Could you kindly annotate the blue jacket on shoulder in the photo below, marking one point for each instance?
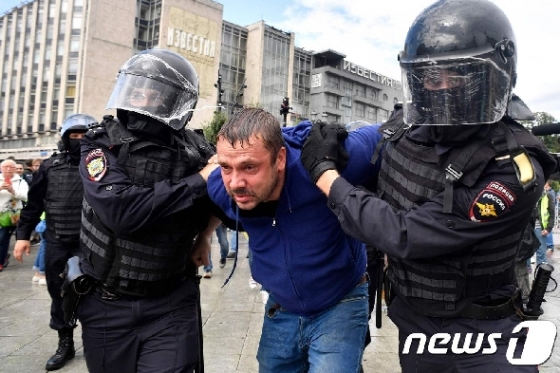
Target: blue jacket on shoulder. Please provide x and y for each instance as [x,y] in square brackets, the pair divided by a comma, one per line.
[305,260]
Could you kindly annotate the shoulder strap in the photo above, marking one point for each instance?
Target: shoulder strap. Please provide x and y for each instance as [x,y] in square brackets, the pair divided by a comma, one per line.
[119,136]
[458,162]
[392,130]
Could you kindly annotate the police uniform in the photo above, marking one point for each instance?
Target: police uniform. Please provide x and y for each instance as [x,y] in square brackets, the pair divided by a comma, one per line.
[57,190]
[458,182]
[452,272]
[144,204]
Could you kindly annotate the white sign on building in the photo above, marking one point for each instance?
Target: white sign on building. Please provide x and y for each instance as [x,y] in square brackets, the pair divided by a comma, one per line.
[316,80]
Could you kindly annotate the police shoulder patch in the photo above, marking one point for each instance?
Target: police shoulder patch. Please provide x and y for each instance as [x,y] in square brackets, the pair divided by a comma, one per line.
[492,202]
[96,164]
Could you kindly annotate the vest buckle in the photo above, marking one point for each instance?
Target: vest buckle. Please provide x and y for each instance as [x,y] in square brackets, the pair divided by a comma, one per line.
[452,174]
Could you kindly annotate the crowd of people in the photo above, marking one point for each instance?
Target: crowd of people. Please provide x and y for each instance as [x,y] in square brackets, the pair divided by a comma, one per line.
[437,198]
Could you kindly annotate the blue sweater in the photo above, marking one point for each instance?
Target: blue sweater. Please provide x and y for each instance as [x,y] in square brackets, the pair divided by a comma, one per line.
[304,260]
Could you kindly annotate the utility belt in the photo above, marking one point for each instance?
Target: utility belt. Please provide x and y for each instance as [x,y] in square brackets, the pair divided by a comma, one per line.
[157,289]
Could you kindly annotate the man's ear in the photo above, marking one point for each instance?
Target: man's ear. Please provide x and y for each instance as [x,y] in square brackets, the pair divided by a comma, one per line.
[281,159]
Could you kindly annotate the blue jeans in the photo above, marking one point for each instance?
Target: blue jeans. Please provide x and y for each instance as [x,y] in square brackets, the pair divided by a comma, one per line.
[331,341]
[550,240]
[40,258]
[221,232]
[541,251]
[233,239]
[5,235]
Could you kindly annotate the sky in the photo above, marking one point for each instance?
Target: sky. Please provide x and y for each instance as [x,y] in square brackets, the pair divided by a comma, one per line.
[371,33]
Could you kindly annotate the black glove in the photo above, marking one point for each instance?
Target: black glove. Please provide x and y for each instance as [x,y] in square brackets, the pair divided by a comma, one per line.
[322,150]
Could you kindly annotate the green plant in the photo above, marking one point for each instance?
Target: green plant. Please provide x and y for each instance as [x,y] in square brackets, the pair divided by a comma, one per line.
[211,129]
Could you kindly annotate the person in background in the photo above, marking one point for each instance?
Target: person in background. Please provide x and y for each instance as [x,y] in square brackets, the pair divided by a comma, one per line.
[545,223]
[57,191]
[39,265]
[13,192]
[19,169]
[28,171]
[550,236]
[221,233]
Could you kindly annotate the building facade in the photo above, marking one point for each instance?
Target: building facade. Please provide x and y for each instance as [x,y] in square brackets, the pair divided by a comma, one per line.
[60,57]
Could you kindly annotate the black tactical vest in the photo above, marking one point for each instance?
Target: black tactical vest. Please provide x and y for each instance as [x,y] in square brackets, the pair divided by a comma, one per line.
[63,200]
[152,260]
[411,174]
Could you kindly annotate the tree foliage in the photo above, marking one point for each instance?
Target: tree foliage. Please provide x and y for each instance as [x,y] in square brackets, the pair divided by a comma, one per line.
[551,141]
[211,129]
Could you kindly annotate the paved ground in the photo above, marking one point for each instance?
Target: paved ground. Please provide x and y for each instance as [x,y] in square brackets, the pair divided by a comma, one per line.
[232,324]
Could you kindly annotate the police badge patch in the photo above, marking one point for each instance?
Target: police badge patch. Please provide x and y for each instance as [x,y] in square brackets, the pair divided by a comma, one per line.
[494,200]
[96,164]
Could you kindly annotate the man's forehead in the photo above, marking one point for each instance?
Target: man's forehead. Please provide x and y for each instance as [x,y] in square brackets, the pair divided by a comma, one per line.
[254,147]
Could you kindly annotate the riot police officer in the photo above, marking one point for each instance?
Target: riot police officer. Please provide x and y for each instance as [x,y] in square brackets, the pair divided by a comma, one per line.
[57,189]
[145,203]
[458,181]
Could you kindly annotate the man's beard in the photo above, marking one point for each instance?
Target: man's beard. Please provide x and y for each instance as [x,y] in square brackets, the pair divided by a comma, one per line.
[257,198]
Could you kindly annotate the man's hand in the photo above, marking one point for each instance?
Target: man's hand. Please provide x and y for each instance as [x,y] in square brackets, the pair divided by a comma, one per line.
[322,150]
[211,166]
[21,247]
[201,251]
[8,187]
[201,247]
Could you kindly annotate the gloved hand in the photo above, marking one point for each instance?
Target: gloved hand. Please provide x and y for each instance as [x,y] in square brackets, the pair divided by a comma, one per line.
[322,150]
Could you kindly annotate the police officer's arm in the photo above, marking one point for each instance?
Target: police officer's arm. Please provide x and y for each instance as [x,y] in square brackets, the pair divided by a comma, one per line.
[31,214]
[425,231]
[123,206]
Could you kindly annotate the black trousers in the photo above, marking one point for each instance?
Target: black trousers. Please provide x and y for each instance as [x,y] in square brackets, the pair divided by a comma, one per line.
[144,335]
[56,256]
[408,321]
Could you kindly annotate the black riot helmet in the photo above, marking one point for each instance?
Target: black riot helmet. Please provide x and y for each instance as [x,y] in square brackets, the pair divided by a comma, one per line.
[158,83]
[75,123]
[458,64]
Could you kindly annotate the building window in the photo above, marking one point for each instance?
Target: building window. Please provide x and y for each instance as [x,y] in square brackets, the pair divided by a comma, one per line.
[72,66]
[332,81]
[347,86]
[68,110]
[382,115]
[372,93]
[371,113]
[75,43]
[332,101]
[77,22]
[70,91]
[360,110]
[360,90]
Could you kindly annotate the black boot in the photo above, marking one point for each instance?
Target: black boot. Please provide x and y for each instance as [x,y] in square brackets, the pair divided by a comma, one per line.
[65,350]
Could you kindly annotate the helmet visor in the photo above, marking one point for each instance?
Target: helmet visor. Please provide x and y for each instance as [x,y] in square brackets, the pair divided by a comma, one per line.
[152,87]
[465,91]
